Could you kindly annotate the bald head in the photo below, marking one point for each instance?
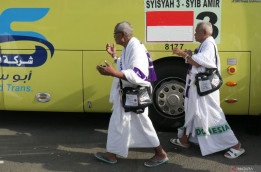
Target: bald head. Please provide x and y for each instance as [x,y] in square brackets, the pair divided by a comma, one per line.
[125,27]
[206,26]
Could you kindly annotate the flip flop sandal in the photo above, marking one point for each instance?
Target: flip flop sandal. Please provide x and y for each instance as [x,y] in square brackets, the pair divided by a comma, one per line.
[178,143]
[233,153]
[104,158]
[158,163]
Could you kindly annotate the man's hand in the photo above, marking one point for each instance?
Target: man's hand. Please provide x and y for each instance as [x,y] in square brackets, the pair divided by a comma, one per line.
[189,52]
[111,49]
[106,70]
[177,51]
[182,53]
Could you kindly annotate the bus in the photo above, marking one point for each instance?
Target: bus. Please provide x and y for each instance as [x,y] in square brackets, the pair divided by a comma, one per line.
[49,51]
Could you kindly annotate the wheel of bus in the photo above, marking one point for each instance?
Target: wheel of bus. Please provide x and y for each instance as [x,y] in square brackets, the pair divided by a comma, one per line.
[167,111]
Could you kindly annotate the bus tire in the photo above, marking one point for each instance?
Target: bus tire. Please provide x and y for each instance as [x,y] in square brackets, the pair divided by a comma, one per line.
[167,110]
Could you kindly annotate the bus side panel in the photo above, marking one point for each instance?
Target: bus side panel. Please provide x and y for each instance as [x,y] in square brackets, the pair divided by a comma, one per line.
[241,32]
[96,86]
[240,92]
[60,76]
[1,91]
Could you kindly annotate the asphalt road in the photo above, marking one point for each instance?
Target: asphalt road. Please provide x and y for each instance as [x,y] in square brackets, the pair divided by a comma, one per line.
[59,142]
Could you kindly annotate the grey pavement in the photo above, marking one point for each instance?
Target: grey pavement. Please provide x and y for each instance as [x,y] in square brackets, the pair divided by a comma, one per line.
[66,142]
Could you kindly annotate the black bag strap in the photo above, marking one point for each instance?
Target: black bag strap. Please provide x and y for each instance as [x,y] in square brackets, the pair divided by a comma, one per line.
[215,54]
[120,83]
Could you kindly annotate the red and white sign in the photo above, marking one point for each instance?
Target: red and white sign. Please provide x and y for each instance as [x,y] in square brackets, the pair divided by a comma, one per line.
[170,26]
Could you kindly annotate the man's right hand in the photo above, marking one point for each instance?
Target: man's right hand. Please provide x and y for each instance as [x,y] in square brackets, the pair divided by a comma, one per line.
[106,70]
[180,52]
[188,51]
[111,49]
[177,51]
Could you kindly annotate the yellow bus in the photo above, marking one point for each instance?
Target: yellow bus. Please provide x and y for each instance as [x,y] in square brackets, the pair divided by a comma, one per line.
[49,51]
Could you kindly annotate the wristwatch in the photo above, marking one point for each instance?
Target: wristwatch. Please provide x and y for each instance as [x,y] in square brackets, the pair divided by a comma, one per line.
[186,58]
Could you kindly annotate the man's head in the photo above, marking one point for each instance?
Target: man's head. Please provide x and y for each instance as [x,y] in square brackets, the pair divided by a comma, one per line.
[123,32]
[203,31]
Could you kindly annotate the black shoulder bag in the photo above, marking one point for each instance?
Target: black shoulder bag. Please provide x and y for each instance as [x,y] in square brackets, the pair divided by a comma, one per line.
[209,81]
[135,99]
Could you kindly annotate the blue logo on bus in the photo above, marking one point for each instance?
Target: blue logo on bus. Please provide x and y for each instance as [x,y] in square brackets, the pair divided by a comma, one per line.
[11,15]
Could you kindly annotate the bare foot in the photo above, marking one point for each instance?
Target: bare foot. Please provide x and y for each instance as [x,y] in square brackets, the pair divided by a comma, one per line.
[237,146]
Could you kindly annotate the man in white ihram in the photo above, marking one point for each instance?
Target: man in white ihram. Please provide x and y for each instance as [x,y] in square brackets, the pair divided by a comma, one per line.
[205,121]
[128,129]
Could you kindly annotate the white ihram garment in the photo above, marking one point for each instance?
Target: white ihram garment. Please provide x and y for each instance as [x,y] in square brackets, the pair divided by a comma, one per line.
[128,129]
[204,118]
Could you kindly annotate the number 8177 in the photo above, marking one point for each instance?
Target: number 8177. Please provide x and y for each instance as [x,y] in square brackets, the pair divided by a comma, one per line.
[171,46]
